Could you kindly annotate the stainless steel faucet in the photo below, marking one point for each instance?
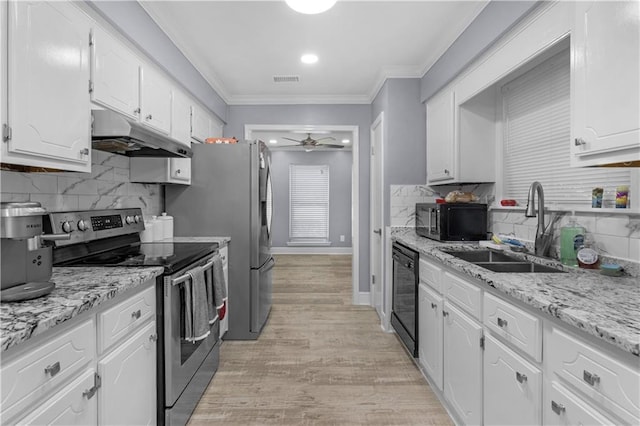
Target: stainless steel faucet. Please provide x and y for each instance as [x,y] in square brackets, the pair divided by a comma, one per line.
[543,239]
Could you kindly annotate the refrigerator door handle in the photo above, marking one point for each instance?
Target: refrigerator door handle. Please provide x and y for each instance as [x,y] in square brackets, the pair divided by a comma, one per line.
[269,264]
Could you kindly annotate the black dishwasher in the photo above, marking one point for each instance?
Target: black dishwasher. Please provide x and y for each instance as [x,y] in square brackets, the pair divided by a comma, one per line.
[404,315]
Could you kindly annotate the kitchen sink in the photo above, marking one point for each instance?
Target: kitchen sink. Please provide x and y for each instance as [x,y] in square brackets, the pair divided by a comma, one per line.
[501,262]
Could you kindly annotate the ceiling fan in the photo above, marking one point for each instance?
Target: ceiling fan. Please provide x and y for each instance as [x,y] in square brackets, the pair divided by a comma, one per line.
[309,142]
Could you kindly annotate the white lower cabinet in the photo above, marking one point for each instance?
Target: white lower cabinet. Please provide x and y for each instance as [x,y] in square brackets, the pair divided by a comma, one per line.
[512,387]
[563,407]
[128,374]
[430,333]
[71,406]
[463,364]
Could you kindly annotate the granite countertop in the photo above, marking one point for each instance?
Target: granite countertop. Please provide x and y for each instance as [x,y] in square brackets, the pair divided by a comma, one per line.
[605,307]
[78,289]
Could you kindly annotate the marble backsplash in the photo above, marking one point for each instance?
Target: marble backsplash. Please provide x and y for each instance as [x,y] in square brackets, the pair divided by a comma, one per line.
[615,236]
[106,187]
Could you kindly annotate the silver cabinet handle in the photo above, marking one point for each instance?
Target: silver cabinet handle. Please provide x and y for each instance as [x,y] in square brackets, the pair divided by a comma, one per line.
[52,369]
[433,305]
[445,313]
[502,322]
[590,378]
[446,171]
[84,151]
[149,117]
[579,141]
[178,171]
[136,111]
[153,337]
[521,378]
[136,314]
[377,231]
[557,408]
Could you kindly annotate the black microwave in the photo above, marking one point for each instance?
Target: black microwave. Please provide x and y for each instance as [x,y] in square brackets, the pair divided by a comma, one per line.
[452,221]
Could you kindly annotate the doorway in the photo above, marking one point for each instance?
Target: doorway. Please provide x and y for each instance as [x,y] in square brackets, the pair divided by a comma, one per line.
[377,211]
[249,133]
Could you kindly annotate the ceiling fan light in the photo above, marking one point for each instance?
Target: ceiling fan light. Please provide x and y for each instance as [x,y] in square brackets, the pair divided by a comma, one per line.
[309,58]
[310,7]
[273,141]
[345,141]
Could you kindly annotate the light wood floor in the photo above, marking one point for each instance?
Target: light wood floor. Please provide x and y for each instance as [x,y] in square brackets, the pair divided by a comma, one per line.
[319,360]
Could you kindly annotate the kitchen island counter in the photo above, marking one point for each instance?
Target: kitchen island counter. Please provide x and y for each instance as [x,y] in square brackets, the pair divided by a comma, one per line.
[602,306]
[78,290]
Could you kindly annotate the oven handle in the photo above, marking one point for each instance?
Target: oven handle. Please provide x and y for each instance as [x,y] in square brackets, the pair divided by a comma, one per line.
[185,277]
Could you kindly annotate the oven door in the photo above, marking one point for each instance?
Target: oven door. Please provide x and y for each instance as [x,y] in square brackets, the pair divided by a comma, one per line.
[182,358]
[405,296]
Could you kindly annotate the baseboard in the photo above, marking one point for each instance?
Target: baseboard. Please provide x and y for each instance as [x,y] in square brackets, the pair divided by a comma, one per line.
[364,298]
[311,250]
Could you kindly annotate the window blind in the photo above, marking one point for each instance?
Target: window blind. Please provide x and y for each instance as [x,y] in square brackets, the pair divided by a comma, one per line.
[309,202]
[536,117]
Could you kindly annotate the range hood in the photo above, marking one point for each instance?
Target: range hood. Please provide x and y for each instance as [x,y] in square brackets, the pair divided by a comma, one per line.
[113,132]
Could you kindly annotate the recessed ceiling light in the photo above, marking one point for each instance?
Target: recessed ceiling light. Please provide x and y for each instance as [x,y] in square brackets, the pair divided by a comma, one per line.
[309,58]
[345,141]
[311,7]
[273,141]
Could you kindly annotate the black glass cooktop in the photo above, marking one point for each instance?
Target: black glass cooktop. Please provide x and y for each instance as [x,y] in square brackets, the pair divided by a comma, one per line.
[171,256]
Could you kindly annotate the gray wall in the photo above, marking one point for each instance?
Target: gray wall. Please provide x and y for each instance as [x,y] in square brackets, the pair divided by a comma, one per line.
[352,115]
[494,20]
[339,192]
[404,135]
[135,24]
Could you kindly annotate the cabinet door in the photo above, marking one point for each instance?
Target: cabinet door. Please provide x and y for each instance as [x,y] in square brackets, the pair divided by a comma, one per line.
[512,387]
[606,111]
[462,364]
[128,392]
[181,117]
[563,407]
[70,406]
[440,138]
[199,124]
[115,75]
[180,170]
[48,78]
[430,333]
[155,100]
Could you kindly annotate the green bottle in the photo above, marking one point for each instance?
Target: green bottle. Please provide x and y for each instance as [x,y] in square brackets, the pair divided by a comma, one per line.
[571,240]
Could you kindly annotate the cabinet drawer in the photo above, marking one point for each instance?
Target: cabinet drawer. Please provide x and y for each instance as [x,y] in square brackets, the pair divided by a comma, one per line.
[564,408]
[38,373]
[69,406]
[465,295]
[430,274]
[120,320]
[599,376]
[516,326]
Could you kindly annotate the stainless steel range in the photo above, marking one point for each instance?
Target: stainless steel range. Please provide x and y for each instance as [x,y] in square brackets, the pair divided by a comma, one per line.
[111,238]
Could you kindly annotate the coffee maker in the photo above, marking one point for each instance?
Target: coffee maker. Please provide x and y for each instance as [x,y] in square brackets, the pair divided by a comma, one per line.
[26,262]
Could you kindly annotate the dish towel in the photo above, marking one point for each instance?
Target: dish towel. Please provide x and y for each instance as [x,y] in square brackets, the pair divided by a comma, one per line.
[196,311]
[219,286]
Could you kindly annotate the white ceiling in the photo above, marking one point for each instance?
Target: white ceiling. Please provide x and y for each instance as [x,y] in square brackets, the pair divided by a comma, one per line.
[239,46]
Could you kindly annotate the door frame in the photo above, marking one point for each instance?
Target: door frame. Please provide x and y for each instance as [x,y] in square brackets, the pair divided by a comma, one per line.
[376,165]
[357,298]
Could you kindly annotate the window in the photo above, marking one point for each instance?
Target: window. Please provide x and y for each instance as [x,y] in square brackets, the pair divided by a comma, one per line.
[536,117]
[308,204]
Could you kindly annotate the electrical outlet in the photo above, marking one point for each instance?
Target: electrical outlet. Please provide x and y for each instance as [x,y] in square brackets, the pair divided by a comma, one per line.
[342,238]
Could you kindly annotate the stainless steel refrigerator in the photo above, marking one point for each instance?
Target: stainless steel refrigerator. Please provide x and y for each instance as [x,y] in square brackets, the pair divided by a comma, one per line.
[230,195]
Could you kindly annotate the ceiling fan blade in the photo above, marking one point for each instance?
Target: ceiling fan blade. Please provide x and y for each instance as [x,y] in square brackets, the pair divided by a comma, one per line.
[328,137]
[295,140]
[328,145]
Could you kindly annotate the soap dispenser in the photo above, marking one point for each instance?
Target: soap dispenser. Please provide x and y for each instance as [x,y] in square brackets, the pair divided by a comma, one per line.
[571,240]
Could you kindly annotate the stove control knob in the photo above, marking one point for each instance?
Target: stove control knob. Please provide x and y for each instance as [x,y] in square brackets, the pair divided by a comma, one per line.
[129,220]
[66,227]
[82,226]
[136,218]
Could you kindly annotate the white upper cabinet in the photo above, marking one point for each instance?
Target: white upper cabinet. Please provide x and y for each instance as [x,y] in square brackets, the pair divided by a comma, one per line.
[440,138]
[155,100]
[605,70]
[199,124]
[48,110]
[115,75]
[180,117]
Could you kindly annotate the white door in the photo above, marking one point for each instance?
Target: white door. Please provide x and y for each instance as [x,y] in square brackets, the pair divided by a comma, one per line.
[605,107]
[128,392]
[48,86]
[377,211]
[463,364]
[155,100]
[508,377]
[430,341]
[115,75]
